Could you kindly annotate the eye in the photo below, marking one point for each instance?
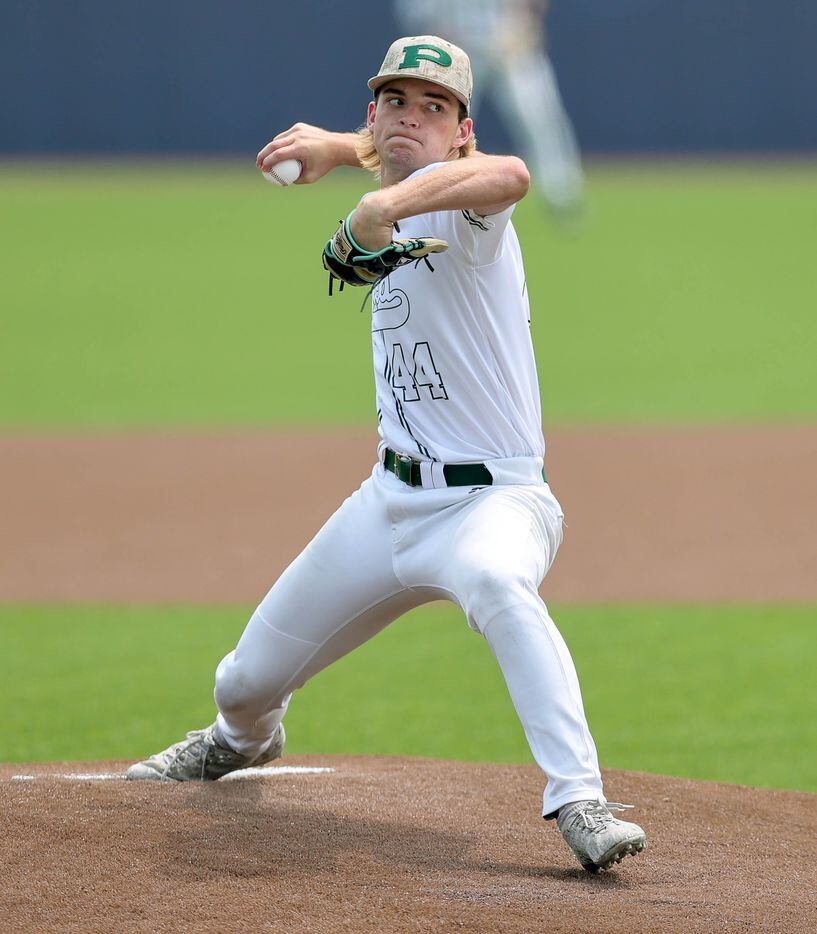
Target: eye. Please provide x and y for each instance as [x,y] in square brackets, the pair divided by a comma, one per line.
[395,100]
[435,107]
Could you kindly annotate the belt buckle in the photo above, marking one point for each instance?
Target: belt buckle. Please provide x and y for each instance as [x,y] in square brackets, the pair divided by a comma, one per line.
[402,467]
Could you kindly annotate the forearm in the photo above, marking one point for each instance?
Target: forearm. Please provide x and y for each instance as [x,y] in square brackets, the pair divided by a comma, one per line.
[486,184]
[343,149]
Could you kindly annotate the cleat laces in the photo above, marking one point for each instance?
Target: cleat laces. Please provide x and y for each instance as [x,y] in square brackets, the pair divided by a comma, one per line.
[596,816]
[193,739]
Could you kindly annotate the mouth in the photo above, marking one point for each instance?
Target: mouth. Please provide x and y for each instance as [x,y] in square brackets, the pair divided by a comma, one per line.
[403,136]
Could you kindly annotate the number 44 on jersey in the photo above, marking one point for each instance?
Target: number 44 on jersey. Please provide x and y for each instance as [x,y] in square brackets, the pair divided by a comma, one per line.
[420,374]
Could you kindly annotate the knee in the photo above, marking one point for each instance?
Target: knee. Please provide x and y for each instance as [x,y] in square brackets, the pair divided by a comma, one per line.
[490,591]
[236,690]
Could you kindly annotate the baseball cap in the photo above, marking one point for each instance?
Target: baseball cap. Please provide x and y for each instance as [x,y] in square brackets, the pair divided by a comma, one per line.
[430,58]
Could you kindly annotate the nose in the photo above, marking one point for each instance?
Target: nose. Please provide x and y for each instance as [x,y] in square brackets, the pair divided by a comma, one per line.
[410,116]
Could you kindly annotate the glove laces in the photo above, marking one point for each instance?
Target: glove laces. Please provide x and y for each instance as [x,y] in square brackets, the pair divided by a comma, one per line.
[401,248]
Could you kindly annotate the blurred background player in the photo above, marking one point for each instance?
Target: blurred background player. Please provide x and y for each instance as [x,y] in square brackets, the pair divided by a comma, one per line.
[507,44]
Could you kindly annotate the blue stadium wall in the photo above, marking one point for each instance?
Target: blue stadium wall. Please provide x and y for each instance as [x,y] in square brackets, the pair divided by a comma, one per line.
[651,76]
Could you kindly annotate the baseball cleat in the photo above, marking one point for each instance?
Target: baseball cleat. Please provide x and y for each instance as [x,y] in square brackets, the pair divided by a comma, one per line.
[202,757]
[598,839]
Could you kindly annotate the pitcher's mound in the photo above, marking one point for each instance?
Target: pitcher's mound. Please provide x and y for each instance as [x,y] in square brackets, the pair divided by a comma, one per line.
[385,844]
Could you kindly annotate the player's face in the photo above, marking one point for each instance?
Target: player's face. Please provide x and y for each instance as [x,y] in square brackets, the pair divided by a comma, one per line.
[415,123]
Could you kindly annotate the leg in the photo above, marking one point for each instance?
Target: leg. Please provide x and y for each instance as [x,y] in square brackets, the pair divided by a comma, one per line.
[542,682]
[338,593]
[501,548]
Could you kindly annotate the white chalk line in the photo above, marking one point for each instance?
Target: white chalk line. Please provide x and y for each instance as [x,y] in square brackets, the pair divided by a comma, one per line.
[68,776]
[271,772]
[276,770]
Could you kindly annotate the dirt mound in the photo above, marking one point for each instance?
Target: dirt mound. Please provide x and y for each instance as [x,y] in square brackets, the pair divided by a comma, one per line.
[386,844]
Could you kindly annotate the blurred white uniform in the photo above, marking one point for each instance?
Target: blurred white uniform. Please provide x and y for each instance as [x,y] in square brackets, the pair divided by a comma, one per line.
[506,44]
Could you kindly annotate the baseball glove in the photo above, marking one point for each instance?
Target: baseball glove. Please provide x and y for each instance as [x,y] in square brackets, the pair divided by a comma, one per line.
[351,264]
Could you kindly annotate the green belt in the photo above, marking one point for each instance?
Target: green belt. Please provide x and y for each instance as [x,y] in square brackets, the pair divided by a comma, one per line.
[408,470]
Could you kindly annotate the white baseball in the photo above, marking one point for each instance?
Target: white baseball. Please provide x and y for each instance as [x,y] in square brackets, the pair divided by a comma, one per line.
[284,173]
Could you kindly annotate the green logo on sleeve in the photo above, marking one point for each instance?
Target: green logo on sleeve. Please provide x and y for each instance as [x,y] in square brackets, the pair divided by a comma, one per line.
[414,54]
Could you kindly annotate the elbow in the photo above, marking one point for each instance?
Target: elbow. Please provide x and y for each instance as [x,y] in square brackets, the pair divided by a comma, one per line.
[518,178]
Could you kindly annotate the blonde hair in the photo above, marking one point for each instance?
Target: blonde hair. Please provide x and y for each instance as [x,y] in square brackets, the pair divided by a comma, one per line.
[368,157]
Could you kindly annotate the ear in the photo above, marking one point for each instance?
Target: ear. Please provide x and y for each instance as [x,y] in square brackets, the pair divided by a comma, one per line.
[464,132]
[370,114]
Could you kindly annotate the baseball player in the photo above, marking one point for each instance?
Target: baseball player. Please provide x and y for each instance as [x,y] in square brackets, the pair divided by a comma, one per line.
[507,45]
[457,506]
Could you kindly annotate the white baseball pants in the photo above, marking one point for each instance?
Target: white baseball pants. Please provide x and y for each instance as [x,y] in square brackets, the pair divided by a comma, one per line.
[391,547]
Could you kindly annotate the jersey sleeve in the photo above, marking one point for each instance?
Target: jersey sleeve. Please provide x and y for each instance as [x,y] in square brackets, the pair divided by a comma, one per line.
[477,239]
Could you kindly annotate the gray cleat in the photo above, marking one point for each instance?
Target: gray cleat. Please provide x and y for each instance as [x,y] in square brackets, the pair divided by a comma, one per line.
[202,757]
[598,839]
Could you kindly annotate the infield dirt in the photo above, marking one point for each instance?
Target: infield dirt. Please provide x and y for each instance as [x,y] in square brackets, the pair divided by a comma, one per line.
[388,844]
[652,514]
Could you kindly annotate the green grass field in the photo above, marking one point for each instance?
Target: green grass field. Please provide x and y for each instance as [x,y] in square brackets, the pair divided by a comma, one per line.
[168,295]
[173,296]
[704,692]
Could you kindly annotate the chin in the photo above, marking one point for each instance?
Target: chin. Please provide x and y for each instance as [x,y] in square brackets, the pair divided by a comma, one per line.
[402,157]
[402,152]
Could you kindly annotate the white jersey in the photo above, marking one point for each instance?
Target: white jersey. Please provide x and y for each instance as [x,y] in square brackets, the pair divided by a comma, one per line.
[454,367]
